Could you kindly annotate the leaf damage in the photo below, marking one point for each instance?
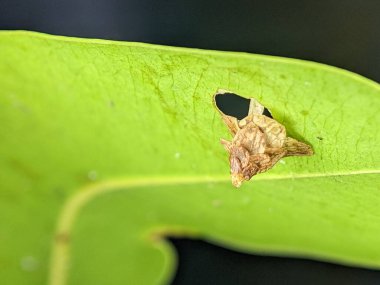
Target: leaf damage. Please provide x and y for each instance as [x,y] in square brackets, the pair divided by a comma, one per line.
[258,143]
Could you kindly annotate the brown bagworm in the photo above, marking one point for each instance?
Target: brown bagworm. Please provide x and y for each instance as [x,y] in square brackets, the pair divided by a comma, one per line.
[258,143]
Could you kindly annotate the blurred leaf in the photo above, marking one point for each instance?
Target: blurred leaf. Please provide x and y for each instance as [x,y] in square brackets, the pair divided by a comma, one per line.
[108,147]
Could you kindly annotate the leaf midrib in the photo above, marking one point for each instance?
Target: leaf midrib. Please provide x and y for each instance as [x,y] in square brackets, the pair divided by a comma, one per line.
[71,209]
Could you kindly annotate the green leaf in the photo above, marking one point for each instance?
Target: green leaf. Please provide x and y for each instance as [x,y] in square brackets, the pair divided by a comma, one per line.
[108,147]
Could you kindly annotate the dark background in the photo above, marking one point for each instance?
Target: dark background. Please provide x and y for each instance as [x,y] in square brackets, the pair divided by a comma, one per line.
[343,33]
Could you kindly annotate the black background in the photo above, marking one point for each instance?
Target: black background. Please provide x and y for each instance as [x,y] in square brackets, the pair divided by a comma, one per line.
[343,33]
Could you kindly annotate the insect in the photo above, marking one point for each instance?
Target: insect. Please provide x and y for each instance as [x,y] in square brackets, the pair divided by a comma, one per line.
[258,143]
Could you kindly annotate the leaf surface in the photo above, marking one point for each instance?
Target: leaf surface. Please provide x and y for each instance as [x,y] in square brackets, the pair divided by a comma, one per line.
[108,147]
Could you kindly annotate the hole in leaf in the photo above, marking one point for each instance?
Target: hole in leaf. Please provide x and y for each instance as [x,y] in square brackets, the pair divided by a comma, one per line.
[234,105]
[267,113]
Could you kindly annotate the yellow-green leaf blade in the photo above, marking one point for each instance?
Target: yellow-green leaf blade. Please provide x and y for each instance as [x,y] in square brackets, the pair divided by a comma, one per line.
[80,112]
